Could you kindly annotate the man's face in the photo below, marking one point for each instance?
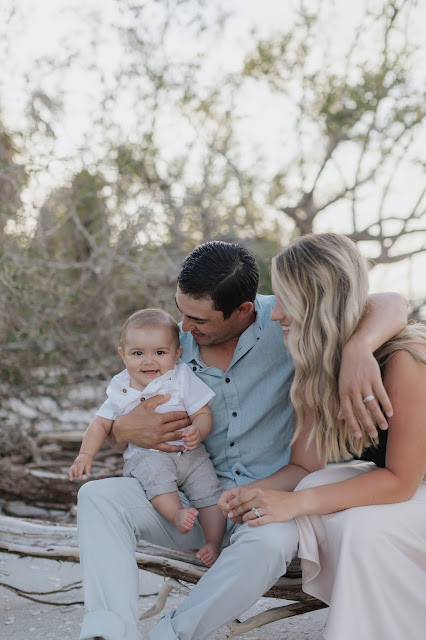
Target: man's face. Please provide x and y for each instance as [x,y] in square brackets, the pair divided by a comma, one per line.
[206,324]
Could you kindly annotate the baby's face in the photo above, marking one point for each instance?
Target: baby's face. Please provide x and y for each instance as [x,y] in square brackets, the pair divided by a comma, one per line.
[148,354]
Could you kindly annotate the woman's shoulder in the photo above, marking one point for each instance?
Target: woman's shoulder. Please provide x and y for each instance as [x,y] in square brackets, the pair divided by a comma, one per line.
[405,366]
[402,356]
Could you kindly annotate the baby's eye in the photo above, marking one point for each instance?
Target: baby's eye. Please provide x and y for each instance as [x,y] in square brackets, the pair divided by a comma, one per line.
[159,352]
[137,353]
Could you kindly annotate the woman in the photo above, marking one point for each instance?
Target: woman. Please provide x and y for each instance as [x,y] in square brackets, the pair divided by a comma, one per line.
[362,525]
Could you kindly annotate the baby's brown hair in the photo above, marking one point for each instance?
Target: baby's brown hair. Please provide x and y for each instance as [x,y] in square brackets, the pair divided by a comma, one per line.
[150,319]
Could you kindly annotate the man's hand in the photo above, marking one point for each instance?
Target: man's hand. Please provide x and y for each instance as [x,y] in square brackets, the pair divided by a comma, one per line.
[359,378]
[225,499]
[150,430]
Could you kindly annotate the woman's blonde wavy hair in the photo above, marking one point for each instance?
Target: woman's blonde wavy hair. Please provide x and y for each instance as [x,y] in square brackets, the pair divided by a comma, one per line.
[322,280]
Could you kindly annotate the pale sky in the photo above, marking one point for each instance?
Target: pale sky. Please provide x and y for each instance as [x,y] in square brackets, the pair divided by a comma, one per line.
[46,25]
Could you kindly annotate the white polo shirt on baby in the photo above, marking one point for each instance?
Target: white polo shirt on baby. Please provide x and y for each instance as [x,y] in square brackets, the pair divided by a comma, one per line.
[188,393]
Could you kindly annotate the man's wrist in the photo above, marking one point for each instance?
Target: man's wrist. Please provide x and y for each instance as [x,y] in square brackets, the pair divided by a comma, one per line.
[360,342]
[114,432]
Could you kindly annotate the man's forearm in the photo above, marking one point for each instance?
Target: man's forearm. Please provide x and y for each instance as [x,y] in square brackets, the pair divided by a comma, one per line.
[386,315]
[113,441]
[116,436]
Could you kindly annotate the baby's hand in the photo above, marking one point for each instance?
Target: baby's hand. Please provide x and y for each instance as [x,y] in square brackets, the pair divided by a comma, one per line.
[82,464]
[191,437]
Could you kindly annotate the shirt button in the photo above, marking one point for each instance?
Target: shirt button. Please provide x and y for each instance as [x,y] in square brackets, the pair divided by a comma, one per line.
[227,380]
[124,390]
[231,444]
[238,473]
[234,413]
[194,368]
[142,399]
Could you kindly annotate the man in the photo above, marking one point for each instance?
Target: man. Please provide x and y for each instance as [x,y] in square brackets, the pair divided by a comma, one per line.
[231,344]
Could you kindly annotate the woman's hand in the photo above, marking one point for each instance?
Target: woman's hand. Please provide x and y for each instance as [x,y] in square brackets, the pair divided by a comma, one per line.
[272,506]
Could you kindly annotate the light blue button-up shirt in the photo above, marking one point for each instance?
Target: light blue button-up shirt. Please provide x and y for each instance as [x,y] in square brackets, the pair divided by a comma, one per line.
[252,412]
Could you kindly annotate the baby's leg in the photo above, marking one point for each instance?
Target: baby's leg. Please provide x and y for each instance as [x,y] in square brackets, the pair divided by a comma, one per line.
[213,525]
[203,489]
[170,506]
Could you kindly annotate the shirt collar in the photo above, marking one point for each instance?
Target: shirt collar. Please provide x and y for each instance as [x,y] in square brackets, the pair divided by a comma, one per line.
[191,351]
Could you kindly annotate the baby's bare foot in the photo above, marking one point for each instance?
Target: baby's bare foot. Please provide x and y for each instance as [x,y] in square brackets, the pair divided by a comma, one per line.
[209,553]
[184,519]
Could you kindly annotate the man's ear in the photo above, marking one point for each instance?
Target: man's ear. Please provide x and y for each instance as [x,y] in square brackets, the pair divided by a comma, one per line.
[245,309]
[178,353]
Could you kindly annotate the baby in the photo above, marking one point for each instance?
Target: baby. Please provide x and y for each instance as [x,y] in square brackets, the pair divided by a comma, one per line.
[149,346]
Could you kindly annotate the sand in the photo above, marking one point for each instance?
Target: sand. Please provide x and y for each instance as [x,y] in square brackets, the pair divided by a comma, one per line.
[21,619]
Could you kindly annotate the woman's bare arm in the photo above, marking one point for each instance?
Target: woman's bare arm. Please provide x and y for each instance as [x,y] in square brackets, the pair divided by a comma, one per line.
[405,381]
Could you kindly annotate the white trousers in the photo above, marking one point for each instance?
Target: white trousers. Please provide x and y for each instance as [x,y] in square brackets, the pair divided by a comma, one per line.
[113,514]
[368,563]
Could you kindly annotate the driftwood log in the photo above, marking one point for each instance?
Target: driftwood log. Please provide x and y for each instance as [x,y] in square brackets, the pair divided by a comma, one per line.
[43,482]
[59,542]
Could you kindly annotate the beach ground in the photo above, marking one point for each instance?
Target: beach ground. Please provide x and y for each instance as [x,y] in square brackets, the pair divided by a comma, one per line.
[22,619]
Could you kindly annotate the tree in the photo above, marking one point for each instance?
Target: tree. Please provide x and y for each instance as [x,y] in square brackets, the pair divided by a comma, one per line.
[166,163]
[13,178]
[355,125]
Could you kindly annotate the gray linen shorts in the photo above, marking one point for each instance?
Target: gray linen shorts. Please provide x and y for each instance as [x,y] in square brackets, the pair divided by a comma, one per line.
[162,472]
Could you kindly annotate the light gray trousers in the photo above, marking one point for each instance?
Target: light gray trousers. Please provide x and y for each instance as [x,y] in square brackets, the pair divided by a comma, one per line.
[113,514]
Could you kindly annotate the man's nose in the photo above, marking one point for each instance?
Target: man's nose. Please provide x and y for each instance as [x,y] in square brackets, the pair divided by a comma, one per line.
[187,324]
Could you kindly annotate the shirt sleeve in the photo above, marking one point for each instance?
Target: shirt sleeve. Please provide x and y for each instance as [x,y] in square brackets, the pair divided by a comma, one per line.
[108,410]
[196,393]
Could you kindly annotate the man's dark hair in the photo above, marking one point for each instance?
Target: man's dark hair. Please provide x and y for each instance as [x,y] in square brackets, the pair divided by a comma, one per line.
[227,273]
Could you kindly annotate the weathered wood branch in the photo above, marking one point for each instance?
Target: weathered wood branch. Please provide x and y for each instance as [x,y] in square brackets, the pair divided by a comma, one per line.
[60,542]
[40,596]
[44,487]
[39,486]
[236,628]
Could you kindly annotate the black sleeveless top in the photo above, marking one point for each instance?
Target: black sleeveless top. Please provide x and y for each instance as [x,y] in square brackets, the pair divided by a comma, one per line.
[376,453]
